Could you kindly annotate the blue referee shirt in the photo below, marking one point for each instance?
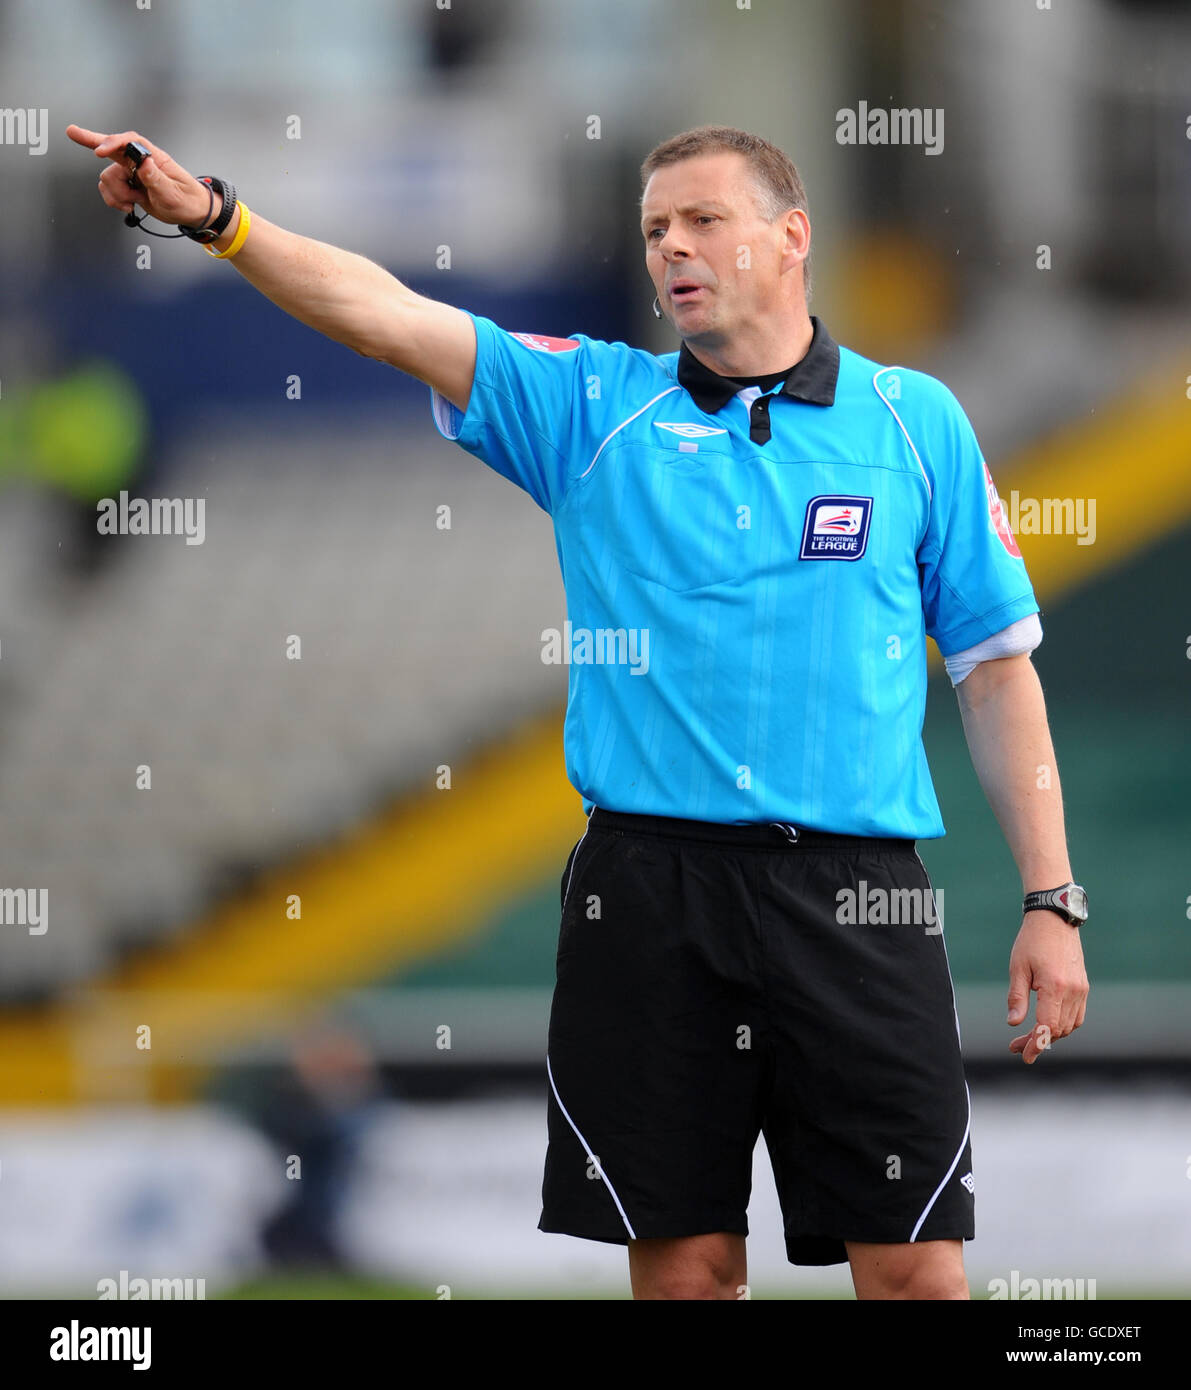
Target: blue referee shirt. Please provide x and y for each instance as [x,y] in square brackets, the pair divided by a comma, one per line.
[750,582]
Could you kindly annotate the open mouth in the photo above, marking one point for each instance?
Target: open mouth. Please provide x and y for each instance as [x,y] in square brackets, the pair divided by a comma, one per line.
[683,289]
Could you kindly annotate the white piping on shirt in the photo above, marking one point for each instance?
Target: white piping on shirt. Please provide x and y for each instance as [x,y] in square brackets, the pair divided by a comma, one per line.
[902,427]
[629,421]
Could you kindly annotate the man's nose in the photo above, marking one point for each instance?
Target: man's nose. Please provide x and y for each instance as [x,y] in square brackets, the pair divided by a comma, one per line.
[673,249]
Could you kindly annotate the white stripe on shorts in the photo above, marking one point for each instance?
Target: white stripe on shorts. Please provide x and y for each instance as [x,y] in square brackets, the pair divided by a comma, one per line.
[587,1150]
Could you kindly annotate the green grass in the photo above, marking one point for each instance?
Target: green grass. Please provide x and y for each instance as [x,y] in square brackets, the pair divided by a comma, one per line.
[330,1286]
[296,1288]
[324,1286]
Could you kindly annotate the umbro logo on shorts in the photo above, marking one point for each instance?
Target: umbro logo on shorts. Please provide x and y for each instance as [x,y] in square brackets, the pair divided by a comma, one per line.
[836,528]
[688,429]
[969,1182]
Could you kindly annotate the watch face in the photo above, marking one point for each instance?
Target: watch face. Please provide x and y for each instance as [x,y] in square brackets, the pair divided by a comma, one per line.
[1075,900]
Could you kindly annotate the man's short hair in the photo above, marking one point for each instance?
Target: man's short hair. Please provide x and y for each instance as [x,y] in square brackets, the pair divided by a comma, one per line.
[779,186]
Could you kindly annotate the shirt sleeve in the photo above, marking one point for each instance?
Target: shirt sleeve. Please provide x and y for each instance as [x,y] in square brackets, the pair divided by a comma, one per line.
[1016,640]
[525,415]
[973,578]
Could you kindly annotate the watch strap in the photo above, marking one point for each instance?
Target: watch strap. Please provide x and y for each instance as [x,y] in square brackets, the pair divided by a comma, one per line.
[1056,900]
[227,192]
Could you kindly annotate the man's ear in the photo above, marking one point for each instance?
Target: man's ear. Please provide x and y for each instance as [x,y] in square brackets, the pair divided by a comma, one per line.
[798,234]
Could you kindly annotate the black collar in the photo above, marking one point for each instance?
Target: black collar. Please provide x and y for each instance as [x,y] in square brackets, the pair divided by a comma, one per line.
[812,380]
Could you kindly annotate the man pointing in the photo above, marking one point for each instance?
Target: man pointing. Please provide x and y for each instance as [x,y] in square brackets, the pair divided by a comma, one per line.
[787,522]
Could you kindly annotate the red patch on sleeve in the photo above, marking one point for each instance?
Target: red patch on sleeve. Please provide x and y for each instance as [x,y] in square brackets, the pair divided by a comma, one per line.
[541,343]
[997,518]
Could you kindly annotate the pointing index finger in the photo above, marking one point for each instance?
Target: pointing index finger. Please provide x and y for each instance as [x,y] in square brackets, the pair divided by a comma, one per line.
[112,146]
[81,136]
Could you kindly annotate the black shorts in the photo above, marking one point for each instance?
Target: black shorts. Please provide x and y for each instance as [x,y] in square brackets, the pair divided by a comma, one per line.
[715,982]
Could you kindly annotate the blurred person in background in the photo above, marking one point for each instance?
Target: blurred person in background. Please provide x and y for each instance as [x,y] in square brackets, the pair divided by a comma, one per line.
[315,1110]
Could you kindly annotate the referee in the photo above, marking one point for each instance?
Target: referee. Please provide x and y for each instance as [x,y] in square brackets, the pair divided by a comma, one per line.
[749,942]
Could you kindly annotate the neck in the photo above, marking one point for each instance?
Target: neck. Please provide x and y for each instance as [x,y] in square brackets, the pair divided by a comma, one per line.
[756,350]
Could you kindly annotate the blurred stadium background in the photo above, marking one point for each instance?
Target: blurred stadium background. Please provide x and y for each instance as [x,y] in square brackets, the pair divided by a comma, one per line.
[319,780]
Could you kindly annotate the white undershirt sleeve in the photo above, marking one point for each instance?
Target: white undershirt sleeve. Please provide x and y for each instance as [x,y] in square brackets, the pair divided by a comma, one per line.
[1021,636]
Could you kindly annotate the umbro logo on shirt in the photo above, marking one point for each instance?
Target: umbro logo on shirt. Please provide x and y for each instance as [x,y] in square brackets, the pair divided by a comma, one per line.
[688,429]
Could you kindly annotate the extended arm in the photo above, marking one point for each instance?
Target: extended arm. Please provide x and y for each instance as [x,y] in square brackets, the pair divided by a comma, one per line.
[340,294]
[1004,719]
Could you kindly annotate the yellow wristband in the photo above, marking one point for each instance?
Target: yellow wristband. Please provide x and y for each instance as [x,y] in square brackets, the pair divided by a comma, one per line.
[239,239]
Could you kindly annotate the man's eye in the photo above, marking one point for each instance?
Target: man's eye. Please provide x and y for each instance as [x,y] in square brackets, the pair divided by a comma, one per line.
[653,232]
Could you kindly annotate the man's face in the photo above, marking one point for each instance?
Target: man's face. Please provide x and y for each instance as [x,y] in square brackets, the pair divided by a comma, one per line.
[714,262]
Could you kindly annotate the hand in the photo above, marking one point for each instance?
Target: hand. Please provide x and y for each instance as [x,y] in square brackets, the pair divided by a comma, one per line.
[168,193]
[1047,957]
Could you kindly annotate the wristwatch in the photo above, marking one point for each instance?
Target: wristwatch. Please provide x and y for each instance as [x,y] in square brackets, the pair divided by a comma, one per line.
[205,235]
[1069,901]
